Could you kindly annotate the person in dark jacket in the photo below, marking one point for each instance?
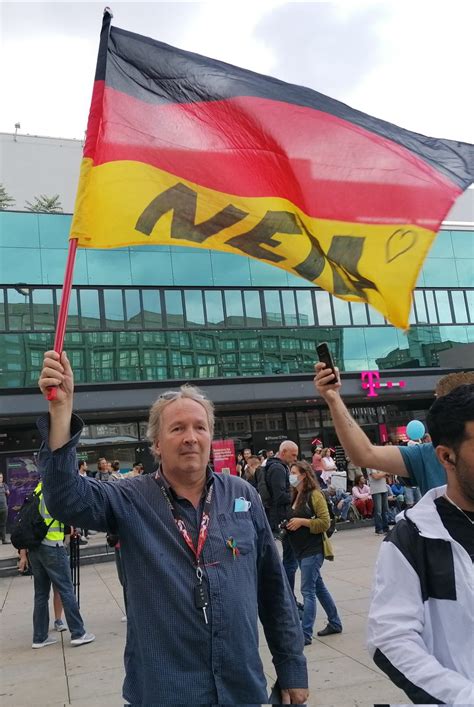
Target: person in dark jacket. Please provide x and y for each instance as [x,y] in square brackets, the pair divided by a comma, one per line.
[277,475]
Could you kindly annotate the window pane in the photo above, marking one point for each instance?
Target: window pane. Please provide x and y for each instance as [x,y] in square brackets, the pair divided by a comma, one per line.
[114,317]
[2,309]
[90,316]
[359,312]
[73,313]
[151,268]
[444,309]
[132,304]
[430,303]
[440,274]
[420,307]
[229,269]
[20,229]
[109,266]
[465,270]
[174,308]
[214,309]
[19,309]
[323,308]
[191,268]
[341,311]
[459,306]
[354,346]
[151,309]
[262,274]
[194,308]
[54,230]
[375,316]
[289,307]
[463,244]
[43,310]
[53,263]
[305,308]
[382,343]
[21,265]
[253,308]
[234,308]
[470,304]
[273,308]
[442,246]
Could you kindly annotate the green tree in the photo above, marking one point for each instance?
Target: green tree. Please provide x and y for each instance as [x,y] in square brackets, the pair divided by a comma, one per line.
[6,201]
[45,204]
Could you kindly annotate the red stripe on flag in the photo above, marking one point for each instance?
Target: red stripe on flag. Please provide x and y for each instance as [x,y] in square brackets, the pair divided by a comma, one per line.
[328,167]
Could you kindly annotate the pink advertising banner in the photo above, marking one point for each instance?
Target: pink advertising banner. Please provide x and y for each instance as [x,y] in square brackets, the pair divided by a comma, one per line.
[223,452]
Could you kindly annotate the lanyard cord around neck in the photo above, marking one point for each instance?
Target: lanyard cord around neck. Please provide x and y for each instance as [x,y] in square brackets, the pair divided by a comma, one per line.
[180,524]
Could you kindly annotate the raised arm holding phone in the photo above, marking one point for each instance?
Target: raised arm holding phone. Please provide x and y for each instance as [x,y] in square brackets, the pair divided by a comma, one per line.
[419,461]
[188,543]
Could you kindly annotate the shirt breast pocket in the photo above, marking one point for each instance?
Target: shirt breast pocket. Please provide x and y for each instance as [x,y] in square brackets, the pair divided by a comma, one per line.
[239,534]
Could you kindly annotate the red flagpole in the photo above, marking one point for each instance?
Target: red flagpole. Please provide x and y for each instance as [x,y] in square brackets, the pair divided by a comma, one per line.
[64,308]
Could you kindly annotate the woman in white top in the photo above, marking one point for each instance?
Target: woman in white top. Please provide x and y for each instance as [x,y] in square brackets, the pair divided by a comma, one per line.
[329,465]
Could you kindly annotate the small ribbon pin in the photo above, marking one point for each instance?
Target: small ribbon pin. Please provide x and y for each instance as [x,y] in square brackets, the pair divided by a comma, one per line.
[232,545]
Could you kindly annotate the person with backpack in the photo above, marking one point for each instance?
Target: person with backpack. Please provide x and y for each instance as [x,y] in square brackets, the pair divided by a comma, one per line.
[307,526]
[42,536]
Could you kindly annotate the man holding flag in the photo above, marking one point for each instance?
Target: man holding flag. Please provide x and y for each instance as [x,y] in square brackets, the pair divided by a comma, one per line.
[199,556]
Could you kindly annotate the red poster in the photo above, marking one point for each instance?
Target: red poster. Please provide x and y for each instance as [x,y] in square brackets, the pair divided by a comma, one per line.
[223,452]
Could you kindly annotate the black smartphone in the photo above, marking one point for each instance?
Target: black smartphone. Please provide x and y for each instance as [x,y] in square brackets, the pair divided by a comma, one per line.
[324,356]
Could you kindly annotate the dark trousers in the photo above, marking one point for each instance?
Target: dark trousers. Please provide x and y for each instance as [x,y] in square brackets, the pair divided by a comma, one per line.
[51,565]
[3,523]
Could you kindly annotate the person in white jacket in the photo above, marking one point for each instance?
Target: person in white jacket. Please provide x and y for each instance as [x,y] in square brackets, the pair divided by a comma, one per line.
[421,619]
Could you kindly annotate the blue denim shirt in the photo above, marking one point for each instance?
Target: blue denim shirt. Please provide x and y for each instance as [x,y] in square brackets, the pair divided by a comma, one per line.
[171,655]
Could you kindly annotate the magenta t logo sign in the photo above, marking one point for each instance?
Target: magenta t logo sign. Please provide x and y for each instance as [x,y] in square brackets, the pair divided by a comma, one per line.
[370,381]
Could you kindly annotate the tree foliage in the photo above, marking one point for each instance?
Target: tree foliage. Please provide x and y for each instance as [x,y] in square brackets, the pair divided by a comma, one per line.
[45,204]
[6,201]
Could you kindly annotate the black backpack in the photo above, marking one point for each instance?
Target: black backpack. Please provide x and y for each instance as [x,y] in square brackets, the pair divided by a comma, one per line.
[262,486]
[30,528]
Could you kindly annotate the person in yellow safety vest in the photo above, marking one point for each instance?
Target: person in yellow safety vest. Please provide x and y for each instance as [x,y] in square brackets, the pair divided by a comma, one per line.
[50,565]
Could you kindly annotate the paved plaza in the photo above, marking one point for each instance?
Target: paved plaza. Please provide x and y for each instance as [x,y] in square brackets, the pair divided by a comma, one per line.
[340,669]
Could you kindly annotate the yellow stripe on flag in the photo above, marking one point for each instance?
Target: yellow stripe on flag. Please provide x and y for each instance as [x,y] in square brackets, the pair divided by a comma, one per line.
[127,203]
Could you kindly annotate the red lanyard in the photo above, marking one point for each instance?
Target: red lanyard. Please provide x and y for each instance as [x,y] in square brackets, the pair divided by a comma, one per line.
[180,524]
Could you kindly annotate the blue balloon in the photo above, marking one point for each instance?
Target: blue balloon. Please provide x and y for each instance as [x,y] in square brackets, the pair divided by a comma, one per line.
[415,430]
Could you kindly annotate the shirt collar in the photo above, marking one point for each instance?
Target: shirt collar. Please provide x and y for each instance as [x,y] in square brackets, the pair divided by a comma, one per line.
[169,488]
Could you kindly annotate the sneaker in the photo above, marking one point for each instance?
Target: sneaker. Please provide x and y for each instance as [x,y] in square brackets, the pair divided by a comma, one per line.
[329,630]
[59,625]
[86,638]
[48,642]
[379,532]
[124,619]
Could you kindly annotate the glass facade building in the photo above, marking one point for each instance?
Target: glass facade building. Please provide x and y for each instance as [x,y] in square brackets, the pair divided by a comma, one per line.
[161,313]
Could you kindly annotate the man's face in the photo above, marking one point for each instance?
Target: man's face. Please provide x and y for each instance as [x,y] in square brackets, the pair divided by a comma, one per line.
[289,454]
[84,468]
[103,464]
[184,441]
[462,472]
[270,453]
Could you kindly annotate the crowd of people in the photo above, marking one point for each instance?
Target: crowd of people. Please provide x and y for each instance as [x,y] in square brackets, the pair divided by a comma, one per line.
[188,538]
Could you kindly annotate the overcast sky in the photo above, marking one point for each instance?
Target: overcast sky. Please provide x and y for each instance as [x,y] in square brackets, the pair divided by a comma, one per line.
[406,62]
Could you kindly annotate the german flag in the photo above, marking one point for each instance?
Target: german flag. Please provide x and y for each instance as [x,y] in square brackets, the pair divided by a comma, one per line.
[185,150]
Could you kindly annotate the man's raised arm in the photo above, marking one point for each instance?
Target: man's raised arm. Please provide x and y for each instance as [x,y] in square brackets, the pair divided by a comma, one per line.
[57,372]
[69,497]
[355,442]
